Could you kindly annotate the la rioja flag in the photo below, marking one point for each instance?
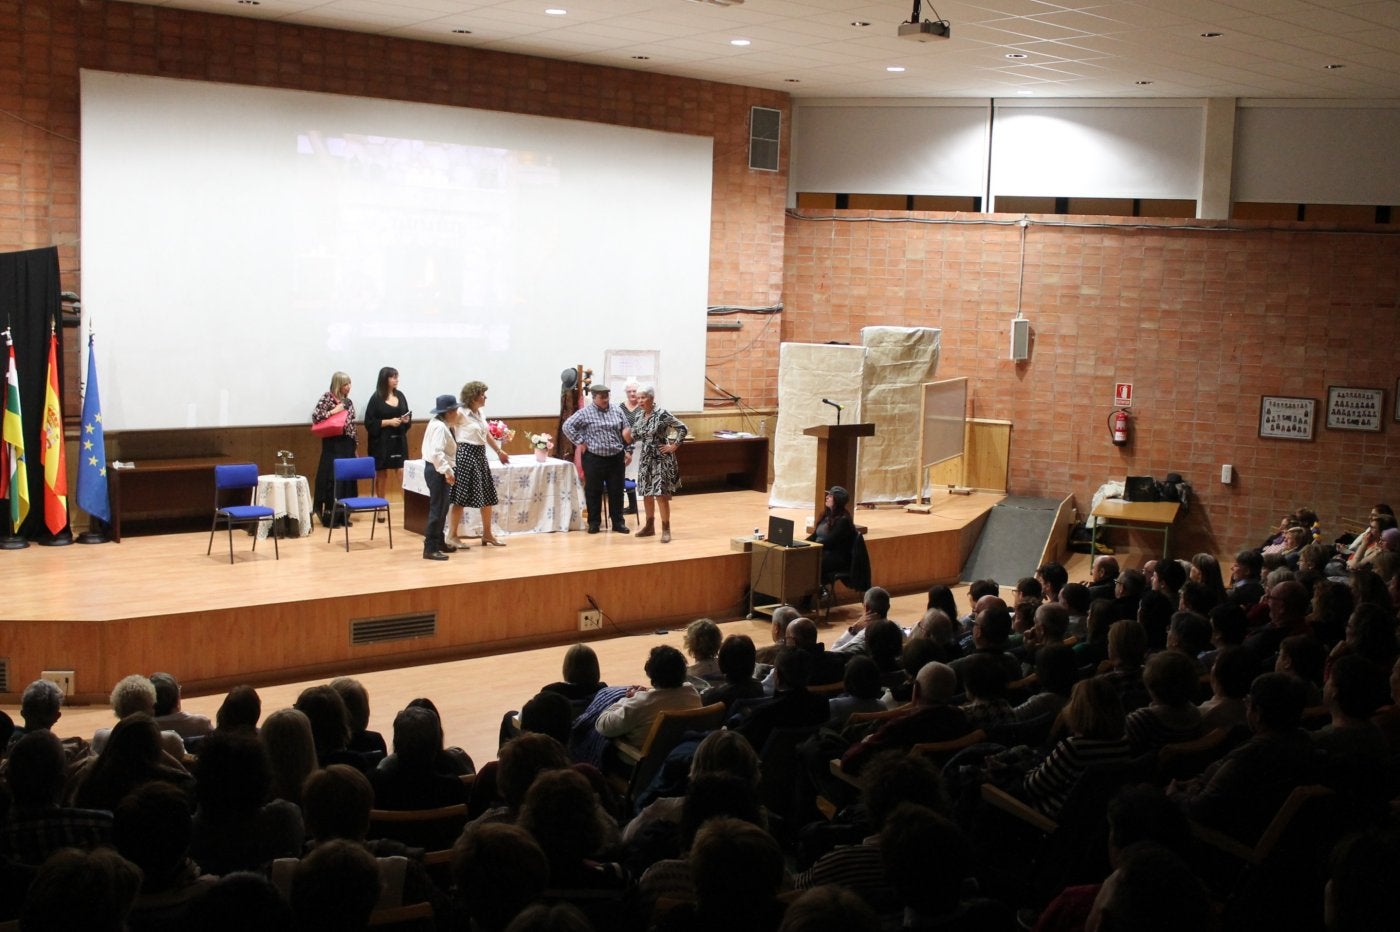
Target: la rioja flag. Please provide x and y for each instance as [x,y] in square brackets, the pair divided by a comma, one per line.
[17,473]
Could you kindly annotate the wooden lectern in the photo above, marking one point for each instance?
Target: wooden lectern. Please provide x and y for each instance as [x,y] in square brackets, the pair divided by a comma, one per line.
[836,458]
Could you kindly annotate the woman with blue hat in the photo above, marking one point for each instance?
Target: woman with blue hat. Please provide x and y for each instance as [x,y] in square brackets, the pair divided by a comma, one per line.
[439,455]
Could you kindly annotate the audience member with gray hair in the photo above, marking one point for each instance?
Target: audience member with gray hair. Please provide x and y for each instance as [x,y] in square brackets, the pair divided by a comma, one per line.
[40,707]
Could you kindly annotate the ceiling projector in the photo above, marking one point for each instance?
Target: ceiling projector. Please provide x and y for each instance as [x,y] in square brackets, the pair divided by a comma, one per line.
[925,31]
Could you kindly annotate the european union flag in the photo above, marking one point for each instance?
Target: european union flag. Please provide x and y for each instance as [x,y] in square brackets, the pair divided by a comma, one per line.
[92,459]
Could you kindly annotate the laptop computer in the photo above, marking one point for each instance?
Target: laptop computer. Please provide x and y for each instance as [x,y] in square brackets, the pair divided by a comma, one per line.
[780,533]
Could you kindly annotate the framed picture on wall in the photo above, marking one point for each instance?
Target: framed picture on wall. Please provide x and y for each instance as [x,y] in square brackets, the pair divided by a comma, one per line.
[1286,418]
[1355,408]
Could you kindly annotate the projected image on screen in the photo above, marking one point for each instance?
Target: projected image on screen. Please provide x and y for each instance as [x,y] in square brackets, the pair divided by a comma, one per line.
[241,244]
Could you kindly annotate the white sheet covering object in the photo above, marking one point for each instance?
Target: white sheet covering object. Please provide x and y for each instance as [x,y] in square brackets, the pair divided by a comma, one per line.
[898,361]
[807,373]
[880,382]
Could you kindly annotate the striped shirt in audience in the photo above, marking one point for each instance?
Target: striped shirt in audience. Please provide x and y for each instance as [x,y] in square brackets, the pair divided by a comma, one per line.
[1049,785]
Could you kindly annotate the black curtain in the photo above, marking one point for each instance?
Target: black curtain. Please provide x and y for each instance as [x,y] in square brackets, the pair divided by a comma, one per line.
[29,305]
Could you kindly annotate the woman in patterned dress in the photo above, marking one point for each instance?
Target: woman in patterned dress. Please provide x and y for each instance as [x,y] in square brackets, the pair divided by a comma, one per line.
[657,475]
[473,488]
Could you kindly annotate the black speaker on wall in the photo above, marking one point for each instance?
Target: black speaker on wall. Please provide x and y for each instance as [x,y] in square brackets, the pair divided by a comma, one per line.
[765,129]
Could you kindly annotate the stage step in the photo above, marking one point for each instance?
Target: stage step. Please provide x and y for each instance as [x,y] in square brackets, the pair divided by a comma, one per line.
[1012,540]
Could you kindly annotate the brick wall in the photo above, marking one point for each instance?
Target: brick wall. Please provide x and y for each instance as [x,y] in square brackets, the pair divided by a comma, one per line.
[44,43]
[1201,321]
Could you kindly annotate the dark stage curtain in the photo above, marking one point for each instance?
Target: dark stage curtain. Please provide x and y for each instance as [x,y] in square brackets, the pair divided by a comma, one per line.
[29,304]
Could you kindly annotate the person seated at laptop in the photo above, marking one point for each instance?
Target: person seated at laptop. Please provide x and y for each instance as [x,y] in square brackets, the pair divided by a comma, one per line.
[835,530]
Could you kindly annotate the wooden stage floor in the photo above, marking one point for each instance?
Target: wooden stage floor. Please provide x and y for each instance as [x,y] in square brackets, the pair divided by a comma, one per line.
[159,603]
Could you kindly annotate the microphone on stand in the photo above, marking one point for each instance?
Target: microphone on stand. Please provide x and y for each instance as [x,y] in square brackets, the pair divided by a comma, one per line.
[828,401]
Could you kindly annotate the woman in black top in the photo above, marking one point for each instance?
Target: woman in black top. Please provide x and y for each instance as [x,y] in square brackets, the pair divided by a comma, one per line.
[836,532]
[386,421]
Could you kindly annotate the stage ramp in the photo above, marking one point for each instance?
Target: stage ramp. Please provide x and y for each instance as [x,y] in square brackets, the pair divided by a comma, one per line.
[1020,534]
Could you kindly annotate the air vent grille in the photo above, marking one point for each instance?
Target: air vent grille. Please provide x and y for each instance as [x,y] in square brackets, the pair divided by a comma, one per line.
[4,674]
[394,628]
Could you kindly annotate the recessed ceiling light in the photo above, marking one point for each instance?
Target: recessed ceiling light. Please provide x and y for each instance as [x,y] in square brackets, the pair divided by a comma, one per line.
[1333,67]
[461,32]
[1211,35]
[740,42]
[1142,83]
[555,11]
[895,69]
[1015,54]
[641,58]
[859,23]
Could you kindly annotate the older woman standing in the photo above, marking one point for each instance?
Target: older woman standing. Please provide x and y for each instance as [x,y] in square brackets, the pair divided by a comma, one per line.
[341,446]
[657,475]
[473,487]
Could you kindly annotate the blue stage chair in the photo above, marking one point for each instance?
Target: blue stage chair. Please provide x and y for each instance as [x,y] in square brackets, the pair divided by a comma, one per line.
[233,477]
[353,469]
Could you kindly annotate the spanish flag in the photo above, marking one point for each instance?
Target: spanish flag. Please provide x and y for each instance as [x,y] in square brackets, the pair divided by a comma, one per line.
[51,452]
[17,475]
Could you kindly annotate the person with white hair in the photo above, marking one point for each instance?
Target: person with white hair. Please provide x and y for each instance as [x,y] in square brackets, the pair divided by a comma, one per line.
[133,694]
[659,434]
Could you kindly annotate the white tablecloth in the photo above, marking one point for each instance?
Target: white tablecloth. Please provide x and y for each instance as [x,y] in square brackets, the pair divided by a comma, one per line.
[289,497]
[534,497]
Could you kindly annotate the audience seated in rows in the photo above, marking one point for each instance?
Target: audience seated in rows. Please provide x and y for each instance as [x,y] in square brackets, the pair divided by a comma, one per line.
[551,839]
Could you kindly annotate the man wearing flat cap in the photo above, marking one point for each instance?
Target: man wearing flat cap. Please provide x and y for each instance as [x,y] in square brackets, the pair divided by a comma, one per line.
[604,437]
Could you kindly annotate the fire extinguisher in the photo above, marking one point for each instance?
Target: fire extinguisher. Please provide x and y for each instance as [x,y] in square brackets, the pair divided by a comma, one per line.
[1118,427]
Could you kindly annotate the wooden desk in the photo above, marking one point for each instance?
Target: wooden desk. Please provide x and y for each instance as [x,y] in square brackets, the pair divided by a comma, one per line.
[788,574]
[1138,516]
[742,461]
[178,489]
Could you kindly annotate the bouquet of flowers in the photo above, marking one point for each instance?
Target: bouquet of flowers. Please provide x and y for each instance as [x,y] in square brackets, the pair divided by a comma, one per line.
[501,431]
[542,442]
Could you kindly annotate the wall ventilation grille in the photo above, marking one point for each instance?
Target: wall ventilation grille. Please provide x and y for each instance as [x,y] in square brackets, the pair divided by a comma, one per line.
[395,628]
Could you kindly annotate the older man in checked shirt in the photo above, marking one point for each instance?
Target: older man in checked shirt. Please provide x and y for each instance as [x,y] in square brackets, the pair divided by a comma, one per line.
[604,436]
